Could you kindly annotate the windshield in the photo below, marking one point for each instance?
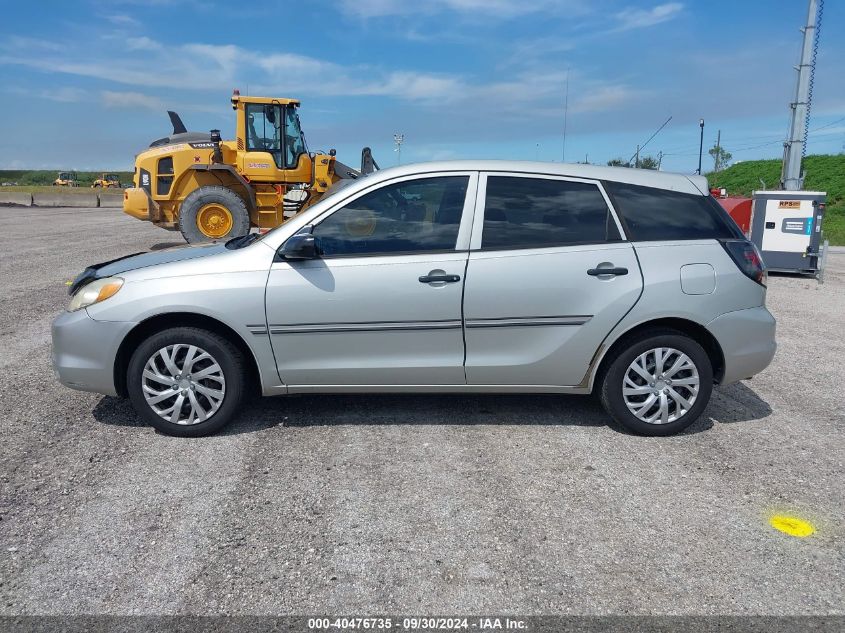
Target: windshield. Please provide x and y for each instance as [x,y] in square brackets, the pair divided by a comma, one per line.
[294,141]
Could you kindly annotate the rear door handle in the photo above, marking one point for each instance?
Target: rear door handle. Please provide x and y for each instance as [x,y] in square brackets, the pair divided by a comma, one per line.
[595,272]
[430,279]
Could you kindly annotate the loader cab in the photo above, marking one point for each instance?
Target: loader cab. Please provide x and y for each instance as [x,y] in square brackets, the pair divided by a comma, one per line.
[273,145]
[65,179]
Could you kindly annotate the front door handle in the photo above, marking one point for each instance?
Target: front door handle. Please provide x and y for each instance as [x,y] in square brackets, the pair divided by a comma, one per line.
[595,272]
[430,279]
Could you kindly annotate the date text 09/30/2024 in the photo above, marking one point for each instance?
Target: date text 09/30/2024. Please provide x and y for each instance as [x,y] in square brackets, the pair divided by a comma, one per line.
[417,623]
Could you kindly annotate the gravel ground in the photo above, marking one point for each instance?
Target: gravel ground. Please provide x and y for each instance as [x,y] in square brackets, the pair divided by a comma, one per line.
[410,504]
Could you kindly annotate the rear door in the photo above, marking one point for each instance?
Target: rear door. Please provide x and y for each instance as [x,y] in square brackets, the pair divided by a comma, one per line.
[549,275]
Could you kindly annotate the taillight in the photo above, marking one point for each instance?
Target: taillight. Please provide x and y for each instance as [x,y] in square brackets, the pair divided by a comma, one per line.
[748,259]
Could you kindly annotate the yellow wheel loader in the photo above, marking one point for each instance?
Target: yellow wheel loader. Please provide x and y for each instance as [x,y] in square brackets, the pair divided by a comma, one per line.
[212,189]
[66,179]
[107,181]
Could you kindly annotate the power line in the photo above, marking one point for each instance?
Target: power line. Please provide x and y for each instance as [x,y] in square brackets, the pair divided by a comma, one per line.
[831,124]
[680,152]
[642,147]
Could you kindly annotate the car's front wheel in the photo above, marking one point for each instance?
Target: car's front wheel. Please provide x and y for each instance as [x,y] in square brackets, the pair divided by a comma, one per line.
[186,381]
[658,384]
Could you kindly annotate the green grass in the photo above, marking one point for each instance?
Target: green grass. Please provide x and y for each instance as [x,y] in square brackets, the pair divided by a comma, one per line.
[26,179]
[824,173]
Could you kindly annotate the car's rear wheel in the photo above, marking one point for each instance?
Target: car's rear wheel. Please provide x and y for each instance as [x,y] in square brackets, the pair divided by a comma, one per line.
[658,384]
[186,381]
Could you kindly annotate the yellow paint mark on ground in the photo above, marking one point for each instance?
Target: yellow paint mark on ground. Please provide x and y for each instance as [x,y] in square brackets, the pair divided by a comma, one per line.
[792,525]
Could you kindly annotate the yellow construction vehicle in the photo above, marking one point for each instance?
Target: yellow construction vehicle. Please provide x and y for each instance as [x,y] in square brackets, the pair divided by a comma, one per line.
[107,181]
[212,189]
[66,179]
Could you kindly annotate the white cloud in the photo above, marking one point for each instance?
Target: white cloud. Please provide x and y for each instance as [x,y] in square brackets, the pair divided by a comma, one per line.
[30,44]
[641,18]
[416,86]
[123,20]
[61,94]
[536,92]
[142,43]
[603,98]
[478,8]
[132,100]
[215,67]
[66,95]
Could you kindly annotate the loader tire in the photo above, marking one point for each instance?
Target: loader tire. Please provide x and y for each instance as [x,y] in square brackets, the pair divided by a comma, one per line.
[212,214]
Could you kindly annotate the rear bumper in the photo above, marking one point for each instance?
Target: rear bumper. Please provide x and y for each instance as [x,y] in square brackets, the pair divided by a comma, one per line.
[747,339]
[84,351]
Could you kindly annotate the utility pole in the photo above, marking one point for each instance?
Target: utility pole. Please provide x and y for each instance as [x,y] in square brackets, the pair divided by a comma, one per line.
[700,145]
[659,159]
[398,139]
[717,159]
[637,161]
[793,148]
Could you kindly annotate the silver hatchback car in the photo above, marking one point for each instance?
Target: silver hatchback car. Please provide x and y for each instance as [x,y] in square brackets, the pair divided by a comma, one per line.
[466,276]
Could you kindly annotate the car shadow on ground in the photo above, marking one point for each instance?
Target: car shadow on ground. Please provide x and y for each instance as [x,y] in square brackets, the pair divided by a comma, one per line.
[734,403]
[162,245]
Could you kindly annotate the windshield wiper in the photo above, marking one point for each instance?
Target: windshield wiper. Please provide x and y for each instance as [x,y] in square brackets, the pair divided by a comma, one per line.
[241,241]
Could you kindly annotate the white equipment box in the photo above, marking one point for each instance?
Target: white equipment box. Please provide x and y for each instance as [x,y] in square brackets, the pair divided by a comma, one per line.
[786,227]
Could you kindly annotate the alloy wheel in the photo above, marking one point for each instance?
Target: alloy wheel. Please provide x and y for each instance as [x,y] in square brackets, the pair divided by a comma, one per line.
[661,385]
[183,384]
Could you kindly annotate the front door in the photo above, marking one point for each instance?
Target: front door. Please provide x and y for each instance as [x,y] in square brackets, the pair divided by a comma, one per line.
[537,303]
[382,304]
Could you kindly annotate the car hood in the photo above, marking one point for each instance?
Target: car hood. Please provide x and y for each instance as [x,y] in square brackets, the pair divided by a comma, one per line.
[143,260]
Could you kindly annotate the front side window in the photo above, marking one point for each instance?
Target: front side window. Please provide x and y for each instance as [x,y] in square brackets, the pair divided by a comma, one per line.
[408,217]
[540,212]
[263,129]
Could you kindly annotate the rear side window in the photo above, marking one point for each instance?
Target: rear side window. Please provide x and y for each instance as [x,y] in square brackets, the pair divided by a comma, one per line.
[657,214]
[540,212]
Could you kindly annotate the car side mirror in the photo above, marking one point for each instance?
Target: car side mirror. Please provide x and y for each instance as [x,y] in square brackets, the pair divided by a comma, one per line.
[299,247]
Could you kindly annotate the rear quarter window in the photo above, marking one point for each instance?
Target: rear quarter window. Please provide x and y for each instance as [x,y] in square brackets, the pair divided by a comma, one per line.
[657,214]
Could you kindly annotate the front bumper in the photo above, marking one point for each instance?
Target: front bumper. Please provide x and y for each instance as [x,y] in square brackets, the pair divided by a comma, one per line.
[84,351]
[747,338]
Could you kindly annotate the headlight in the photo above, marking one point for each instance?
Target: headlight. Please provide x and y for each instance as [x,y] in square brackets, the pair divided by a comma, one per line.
[98,290]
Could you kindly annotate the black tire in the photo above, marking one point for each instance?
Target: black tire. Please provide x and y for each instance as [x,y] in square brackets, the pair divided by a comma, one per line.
[208,195]
[226,355]
[611,385]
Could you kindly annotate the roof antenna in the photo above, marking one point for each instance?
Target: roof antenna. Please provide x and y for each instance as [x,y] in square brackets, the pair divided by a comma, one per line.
[565,112]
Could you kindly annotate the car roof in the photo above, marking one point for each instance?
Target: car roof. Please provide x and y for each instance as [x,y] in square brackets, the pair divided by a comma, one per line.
[645,177]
